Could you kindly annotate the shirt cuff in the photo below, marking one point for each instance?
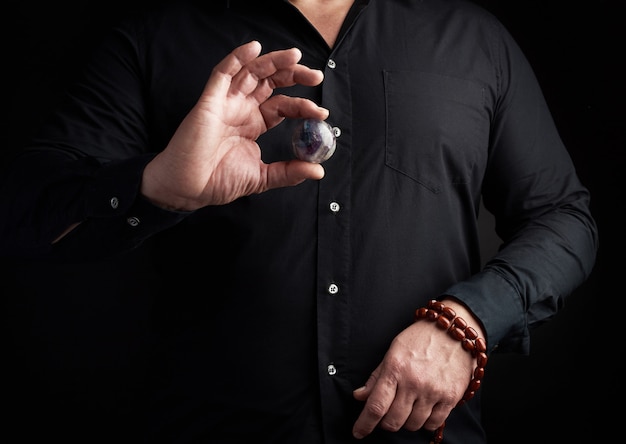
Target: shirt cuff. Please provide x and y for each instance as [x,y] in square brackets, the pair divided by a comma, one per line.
[117,217]
[494,301]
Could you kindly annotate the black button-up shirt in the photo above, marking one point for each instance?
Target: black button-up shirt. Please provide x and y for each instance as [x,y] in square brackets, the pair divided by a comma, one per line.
[269,311]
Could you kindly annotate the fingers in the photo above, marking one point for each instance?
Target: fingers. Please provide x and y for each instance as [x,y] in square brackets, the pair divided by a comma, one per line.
[275,109]
[280,68]
[435,416]
[403,407]
[230,66]
[414,408]
[378,394]
[393,406]
[244,70]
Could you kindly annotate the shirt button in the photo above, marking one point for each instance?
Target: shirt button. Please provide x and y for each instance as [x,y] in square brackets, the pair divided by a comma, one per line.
[133,221]
[331,64]
[114,202]
[331,369]
[333,289]
[336,131]
[334,207]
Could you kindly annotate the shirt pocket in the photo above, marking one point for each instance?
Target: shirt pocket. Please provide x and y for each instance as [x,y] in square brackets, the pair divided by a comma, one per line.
[437,127]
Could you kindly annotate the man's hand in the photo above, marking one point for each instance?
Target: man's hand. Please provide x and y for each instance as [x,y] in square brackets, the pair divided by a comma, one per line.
[421,379]
[213,157]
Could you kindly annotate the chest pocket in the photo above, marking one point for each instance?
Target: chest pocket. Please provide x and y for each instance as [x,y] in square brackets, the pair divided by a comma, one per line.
[437,127]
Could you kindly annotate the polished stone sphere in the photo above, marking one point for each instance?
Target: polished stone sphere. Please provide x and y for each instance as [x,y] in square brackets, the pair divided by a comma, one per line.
[313,140]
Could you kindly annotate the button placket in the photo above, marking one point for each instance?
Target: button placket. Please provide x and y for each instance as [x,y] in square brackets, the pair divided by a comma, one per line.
[334,233]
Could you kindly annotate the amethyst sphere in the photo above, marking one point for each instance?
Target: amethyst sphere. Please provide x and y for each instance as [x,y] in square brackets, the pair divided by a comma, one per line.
[313,140]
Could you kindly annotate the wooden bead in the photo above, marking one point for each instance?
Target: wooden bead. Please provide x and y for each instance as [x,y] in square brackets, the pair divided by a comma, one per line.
[474,385]
[479,373]
[481,359]
[436,305]
[471,333]
[457,334]
[460,323]
[481,345]
[468,345]
[466,397]
[443,322]
[448,313]
[420,313]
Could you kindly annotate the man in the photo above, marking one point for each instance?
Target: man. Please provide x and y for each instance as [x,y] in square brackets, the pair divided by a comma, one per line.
[285,291]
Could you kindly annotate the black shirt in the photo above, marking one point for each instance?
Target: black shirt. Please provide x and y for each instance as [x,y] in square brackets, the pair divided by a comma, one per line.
[269,311]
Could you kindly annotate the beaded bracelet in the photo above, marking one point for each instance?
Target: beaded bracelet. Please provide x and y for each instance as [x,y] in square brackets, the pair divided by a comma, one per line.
[457,328]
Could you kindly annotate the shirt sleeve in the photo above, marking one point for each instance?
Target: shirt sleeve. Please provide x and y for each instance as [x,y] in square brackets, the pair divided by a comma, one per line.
[104,201]
[541,209]
[85,166]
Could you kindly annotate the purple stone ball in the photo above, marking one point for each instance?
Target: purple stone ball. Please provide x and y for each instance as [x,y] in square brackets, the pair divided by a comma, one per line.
[313,140]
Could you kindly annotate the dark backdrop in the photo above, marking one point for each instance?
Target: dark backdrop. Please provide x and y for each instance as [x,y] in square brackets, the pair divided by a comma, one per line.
[71,361]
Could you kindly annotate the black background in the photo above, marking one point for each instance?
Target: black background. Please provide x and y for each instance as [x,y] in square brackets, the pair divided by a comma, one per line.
[69,360]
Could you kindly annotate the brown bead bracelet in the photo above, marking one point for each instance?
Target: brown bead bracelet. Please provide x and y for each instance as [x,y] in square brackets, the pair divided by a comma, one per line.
[457,328]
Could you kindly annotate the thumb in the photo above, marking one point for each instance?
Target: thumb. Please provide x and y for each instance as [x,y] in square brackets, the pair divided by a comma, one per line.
[291,172]
[363,392]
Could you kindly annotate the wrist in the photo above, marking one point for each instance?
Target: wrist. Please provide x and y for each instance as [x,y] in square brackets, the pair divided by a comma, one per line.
[456,327]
